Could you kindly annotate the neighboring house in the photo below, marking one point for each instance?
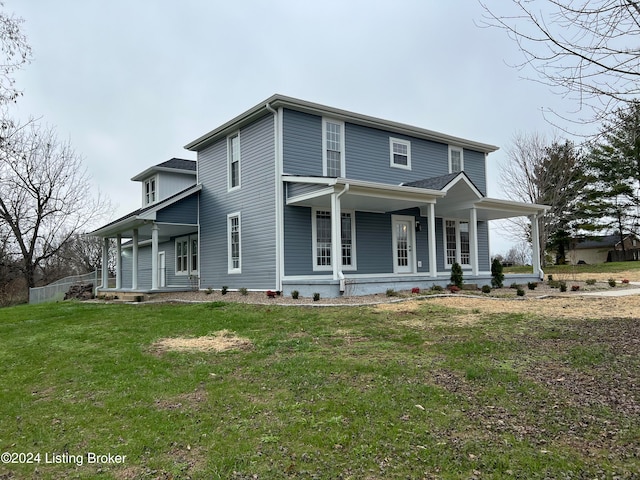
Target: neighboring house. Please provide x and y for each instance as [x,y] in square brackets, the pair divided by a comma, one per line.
[292,195]
[601,249]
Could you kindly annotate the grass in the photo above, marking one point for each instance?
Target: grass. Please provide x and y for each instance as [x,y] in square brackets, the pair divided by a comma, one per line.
[352,392]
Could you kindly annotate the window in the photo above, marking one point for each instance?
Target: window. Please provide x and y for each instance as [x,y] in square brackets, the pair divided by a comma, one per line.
[333,148]
[150,191]
[187,255]
[321,231]
[233,225]
[456,238]
[400,153]
[233,154]
[456,159]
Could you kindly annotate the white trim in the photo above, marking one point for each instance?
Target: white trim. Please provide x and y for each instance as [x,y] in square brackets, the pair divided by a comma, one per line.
[456,149]
[162,269]
[230,138]
[278,124]
[411,242]
[156,190]
[340,123]
[230,268]
[399,141]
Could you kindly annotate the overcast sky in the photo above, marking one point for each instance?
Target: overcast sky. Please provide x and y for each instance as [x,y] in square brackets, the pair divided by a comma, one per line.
[131,82]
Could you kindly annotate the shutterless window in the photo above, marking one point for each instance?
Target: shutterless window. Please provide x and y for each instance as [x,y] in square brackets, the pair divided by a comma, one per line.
[182,253]
[456,160]
[194,254]
[322,240]
[457,242]
[150,191]
[400,153]
[233,152]
[234,244]
[333,148]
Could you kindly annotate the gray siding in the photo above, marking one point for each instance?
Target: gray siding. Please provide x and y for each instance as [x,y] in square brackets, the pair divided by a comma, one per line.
[185,211]
[298,246]
[302,144]
[255,201]
[474,167]
[172,183]
[484,262]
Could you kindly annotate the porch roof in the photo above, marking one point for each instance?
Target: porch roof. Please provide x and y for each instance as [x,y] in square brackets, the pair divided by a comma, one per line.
[454,196]
[143,219]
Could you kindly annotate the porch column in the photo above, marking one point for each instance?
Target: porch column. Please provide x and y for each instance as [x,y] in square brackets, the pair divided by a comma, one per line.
[105,263]
[535,244]
[473,241]
[336,236]
[433,259]
[119,261]
[134,260]
[154,257]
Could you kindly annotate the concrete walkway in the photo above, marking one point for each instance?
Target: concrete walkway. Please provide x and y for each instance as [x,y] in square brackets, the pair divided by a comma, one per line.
[614,292]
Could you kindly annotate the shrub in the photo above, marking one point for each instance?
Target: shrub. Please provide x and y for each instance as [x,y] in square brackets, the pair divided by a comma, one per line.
[497,277]
[316,297]
[243,291]
[550,277]
[456,275]
[563,286]
[453,288]
[295,294]
[591,281]
[436,288]
[625,280]
[520,292]
[612,282]
[486,289]
[391,292]
[532,285]
[575,288]
[224,290]
[209,291]
[515,286]
[415,290]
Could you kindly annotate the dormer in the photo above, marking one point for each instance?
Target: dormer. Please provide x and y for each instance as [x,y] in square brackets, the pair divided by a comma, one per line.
[166,179]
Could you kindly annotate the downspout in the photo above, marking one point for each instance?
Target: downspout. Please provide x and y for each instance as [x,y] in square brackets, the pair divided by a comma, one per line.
[340,273]
[278,191]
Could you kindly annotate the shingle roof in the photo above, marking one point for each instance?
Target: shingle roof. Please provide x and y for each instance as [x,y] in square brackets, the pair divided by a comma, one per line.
[179,164]
[433,183]
[596,242]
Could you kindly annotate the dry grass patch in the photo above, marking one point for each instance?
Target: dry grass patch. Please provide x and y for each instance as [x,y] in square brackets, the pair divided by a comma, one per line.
[222,341]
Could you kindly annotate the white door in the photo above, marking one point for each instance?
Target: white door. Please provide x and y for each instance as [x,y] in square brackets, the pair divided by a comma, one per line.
[161,270]
[403,244]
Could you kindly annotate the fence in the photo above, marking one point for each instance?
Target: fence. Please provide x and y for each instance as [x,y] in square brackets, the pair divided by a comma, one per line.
[56,290]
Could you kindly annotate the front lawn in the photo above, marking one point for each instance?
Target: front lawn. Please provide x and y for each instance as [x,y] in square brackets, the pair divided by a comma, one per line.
[348,392]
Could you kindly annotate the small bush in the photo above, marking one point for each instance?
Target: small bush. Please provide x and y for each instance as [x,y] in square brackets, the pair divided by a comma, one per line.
[515,286]
[453,288]
[554,283]
[591,281]
[625,280]
[415,290]
[209,291]
[575,288]
[436,288]
[550,278]
[316,297]
[612,282]
[563,286]
[520,292]
[457,275]
[224,290]
[391,292]
[486,289]
[243,291]
[532,285]
[295,294]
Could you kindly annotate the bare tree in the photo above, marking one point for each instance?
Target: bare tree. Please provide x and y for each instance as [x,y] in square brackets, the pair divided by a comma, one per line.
[16,52]
[45,194]
[548,173]
[588,49]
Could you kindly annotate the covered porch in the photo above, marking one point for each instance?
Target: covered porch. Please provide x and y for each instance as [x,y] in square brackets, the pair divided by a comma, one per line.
[450,208]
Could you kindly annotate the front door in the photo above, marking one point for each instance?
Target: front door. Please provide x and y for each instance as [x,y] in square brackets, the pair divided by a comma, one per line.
[403,244]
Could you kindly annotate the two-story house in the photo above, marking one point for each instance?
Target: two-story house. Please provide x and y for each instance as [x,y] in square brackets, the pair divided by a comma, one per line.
[292,195]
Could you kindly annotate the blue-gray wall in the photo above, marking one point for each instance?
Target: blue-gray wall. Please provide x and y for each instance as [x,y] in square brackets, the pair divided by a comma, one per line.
[255,201]
[367,153]
[185,211]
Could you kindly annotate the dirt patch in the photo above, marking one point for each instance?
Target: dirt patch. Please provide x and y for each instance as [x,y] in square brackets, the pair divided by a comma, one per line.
[222,341]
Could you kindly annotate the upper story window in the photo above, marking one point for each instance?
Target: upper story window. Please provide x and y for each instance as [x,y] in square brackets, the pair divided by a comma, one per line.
[333,148]
[150,190]
[233,155]
[456,159]
[400,153]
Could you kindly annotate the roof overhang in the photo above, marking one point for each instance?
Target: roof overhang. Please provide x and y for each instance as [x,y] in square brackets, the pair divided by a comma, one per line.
[277,101]
[496,208]
[151,170]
